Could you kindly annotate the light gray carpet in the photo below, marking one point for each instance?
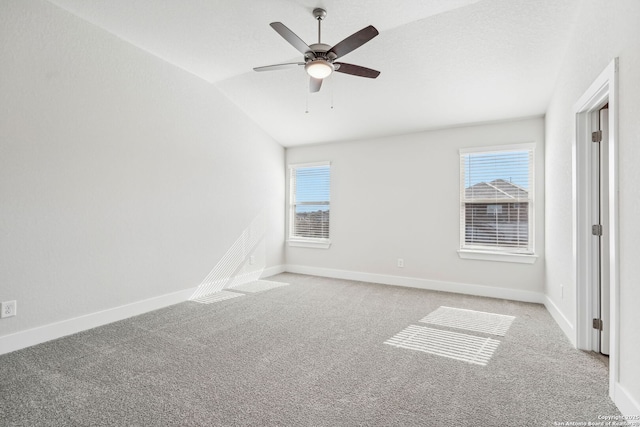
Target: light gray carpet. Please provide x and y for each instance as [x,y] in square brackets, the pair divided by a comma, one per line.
[309,354]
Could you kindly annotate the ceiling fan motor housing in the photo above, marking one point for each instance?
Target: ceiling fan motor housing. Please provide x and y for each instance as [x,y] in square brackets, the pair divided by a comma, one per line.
[319,50]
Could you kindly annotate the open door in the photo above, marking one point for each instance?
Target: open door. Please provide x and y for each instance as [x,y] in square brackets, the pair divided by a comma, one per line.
[604,249]
[600,230]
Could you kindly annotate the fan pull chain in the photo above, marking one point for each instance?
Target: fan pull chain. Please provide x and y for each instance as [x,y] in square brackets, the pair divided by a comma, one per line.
[331,84]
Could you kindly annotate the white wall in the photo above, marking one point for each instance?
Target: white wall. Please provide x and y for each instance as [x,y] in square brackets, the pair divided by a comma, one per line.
[122,178]
[398,197]
[604,30]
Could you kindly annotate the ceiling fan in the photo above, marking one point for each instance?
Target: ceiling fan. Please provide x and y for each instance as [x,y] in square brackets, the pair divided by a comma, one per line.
[319,58]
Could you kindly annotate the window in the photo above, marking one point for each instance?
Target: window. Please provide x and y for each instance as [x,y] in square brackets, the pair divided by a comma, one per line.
[496,199]
[309,215]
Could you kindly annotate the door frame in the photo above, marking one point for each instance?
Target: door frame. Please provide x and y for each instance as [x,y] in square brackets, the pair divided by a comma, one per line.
[602,91]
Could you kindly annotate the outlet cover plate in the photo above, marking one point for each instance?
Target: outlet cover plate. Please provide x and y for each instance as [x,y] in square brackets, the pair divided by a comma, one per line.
[8,309]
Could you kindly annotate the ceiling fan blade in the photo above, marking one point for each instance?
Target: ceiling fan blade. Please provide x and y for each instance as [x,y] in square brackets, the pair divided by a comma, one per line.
[291,37]
[354,41]
[356,70]
[314,85]
[278,66]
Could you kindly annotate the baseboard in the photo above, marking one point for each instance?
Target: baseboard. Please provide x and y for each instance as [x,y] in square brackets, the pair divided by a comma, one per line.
[627,405]
[412,282]
[272,271]
[22,339]
[561,320]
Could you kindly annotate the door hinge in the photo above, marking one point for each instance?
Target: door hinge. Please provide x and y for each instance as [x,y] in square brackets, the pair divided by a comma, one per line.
[596,230]
[597,324]
[596,136]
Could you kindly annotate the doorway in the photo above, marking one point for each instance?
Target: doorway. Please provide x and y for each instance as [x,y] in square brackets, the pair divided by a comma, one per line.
[595,230]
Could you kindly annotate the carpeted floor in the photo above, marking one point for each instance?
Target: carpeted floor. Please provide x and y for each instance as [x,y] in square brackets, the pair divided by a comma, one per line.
[308,354]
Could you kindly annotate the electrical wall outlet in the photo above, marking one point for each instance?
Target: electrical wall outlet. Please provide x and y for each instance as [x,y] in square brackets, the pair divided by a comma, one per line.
[561,291]
[9,308]
[400,263]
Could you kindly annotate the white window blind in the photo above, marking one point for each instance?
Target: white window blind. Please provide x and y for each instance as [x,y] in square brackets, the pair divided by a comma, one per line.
[309,201]
[496,199]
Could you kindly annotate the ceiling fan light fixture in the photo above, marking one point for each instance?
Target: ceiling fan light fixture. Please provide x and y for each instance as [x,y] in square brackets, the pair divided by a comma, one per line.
[319,68]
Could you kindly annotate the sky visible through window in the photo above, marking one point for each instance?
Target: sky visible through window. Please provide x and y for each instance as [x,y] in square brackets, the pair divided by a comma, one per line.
[512,166]
[312,185]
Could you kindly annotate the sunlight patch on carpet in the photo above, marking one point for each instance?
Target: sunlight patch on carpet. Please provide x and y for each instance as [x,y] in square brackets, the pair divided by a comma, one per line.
[217,297]
[463,347]
[259,286]
[470,320]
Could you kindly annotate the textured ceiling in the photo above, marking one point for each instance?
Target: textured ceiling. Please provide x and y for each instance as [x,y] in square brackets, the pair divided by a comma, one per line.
[442,62]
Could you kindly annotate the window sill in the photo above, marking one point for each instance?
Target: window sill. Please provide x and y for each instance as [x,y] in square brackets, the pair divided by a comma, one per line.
[318,244]
[497,256]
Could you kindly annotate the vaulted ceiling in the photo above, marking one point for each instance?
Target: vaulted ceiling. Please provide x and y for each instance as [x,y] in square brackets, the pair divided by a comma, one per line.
[443,62]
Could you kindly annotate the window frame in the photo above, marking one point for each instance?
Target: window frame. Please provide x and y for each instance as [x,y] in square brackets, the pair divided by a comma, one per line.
[298,241]
[491,252]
